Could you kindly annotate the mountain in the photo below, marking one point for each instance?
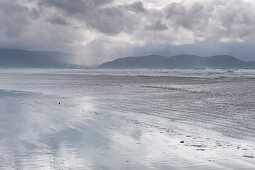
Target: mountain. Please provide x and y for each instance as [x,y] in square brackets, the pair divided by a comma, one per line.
[184,61]
[22,58]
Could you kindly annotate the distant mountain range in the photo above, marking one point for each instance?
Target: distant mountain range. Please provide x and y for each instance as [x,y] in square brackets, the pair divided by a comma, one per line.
[21,58]
[184,61]
[13,58]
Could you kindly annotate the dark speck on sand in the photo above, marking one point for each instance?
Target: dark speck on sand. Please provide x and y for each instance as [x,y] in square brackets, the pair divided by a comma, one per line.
[248,156]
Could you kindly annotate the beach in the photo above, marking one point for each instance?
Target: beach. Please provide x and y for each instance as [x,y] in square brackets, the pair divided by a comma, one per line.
[98,119]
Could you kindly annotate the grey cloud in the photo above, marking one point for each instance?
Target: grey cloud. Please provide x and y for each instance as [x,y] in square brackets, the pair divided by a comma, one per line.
[70,7]
[13,19]
[188,17]
[157,26]
[113,21]
[237,19]
[58,20]
[75,8]
[230,19]
[105,19]
[136,7]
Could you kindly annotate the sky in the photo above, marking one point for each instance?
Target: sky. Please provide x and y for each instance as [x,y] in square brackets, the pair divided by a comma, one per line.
[103,30]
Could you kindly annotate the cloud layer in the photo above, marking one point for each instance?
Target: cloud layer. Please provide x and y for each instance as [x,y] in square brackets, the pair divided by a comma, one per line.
[102,30]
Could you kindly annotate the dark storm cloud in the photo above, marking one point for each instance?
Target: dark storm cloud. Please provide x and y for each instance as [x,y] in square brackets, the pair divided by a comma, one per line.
[116,28]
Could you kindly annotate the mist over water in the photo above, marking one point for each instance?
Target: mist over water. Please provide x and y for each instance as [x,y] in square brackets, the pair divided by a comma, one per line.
[127,119]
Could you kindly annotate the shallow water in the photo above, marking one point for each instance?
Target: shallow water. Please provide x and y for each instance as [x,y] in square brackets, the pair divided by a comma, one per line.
[131,119]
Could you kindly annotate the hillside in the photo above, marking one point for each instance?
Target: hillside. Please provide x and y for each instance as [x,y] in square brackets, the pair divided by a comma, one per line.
[22,58]
[184,61]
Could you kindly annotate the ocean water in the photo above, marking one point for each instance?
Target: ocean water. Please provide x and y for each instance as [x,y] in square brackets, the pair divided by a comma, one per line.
[127,119]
